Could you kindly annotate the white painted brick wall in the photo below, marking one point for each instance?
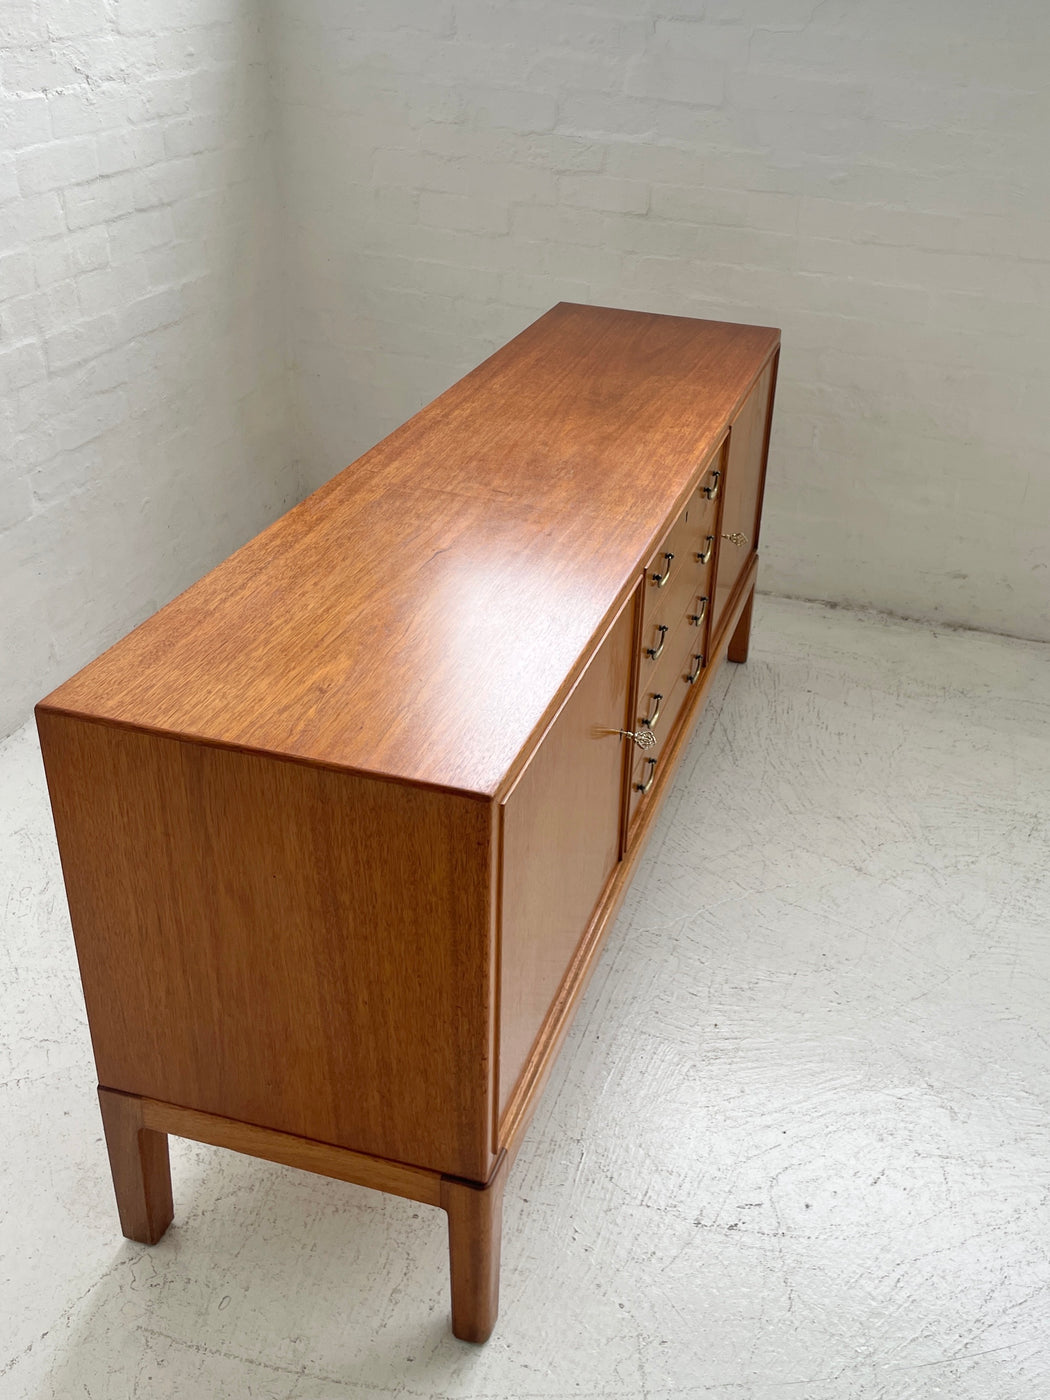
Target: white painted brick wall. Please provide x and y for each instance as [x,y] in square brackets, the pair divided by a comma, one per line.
[872,177]
[143,384]
[236,233]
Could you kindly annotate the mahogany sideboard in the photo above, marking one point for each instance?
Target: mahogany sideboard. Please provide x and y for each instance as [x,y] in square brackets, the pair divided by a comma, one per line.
[343,825]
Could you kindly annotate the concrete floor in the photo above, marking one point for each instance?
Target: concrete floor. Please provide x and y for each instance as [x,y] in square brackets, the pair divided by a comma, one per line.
[797,1146]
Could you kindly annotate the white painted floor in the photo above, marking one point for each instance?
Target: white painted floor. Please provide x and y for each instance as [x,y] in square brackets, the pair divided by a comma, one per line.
[797,1146]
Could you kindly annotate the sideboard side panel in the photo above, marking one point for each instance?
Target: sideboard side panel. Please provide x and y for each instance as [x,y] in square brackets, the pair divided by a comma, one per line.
[561,843]
[289,946]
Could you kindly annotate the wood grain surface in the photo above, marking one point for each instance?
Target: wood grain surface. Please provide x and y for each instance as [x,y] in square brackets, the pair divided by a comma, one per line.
[745,479]
[475,1218]
[420,616]
[295,948]
[692,541]
[560,844]
[139,1166]
[395,1178]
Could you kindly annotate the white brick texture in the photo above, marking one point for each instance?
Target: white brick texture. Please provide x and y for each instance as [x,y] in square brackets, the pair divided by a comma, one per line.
[143,417]
[239,242]
[871,177]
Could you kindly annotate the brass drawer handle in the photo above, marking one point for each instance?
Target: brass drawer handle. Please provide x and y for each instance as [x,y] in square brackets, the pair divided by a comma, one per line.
[711,489]
[644,787]
[650,720]
[654,652]
[706,556]
[695,675]
[736,538]
[661,579]
[698,617]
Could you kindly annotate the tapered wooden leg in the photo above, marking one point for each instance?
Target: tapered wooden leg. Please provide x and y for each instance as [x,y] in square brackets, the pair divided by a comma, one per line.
[741,638]
[475,1217]
[138,1159]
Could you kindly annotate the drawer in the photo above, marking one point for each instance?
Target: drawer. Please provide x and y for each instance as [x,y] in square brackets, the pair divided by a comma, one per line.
[712,478]
[672,679]
[644,773]
[669,682]
[698,613]
[659,639]
[678,570]
[646,762]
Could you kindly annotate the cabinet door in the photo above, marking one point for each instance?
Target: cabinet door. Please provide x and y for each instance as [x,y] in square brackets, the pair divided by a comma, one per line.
[561,843]
[745,471]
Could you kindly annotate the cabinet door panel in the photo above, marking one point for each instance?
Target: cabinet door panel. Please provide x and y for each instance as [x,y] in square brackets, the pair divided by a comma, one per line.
[748,437]
[561,841]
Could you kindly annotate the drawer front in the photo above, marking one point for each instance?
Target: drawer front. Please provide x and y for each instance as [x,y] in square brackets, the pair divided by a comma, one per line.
[676,622]
[647,762]
[679,671]
[676,574]
[668,642]
[745,470]
[661,679]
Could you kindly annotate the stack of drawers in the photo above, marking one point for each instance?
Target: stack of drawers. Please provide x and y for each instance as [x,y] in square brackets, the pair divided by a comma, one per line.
[676,615]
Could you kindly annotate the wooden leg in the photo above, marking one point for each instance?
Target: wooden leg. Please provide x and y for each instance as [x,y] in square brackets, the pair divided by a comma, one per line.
[138,1160]
[475,1216]
[741,638]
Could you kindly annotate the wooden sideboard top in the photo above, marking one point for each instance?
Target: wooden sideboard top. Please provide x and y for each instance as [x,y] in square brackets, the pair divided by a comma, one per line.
[419,616]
